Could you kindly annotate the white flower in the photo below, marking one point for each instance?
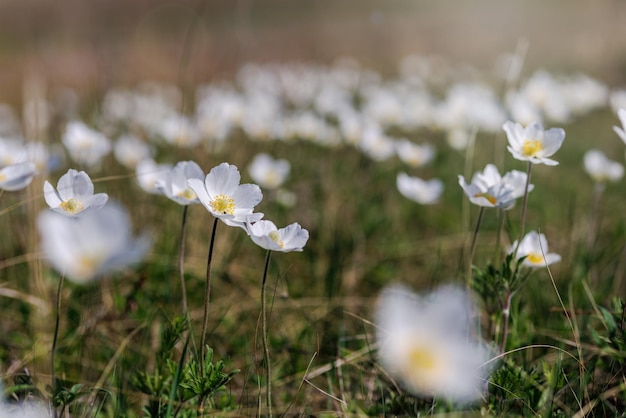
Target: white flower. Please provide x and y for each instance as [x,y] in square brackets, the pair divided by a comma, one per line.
[29,408]
[73,195]
[85,145]
[533,143]
[534,247]
[226,199]
[130,150]
[429,344]
[425,192]
[149,174]
[92,245]
[490,190]
[621,131]
[413,154]
[174,185]
[17,176]
[266,235]
[600,168]
[268,172]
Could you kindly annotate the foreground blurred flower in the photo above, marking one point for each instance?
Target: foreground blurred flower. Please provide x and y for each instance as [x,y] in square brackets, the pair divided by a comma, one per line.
[418,190]
[600,168]
[85,145]
[534,247]
[17,176]
[266,235]
[174,184]
[429,343]
[268,172]
[226,199]
[29,408]
[532,143]
[74,194]
[92,245]
[489,189]
[621,131]
[149,174]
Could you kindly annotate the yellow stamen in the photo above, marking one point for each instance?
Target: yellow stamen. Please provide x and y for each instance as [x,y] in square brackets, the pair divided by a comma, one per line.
[72,206]
[487,196]
[223,204]
[188,194]
[531,147]
[422,359]
[2,177]
[87,266]
[275,236]
[535,258]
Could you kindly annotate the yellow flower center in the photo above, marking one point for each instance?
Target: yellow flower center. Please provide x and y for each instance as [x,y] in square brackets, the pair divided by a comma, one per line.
[223,204]
[72,206]
[275,236]
[87,266]
[487,196]
[188,194]
[422,359]
[535,258]
[531,147]
[2,177]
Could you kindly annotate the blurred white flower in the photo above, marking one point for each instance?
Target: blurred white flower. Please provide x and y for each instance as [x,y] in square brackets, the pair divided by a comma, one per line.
[532,143]
[92,245]
[130,150]
[17,176]
[12,151]
[266,235]
[226,199]
[534,247]
[29,408]
[85,145]
[489,189]
[174,186]
[180,131]
[74,194]
[268,172]
[429,343]
[600,168]
[413,154]
[621,130]
[425,192]
[149,174]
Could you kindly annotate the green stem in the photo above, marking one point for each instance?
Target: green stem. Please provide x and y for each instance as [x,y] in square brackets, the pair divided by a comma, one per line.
[473,247]
[56,335]
[207,295]
[499,236]
[524,205]
[506,313]
[181,263]
[266,350]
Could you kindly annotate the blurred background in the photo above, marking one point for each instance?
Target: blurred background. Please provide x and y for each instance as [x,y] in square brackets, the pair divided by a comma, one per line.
[90,46]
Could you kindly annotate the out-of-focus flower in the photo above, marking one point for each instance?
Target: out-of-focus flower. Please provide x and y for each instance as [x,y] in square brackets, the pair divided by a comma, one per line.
[621,130]
[180,131]
[17,176]
[413,154]
[226,199]
[174,185]
[85,145]
[92,245]
[266,235]
[489,189]
[429,343]
[532,143]
[268,172]
[28,408]
[534,247]
[130,150]
[74,194]
[600,168]
[425,192]
[149,174]
[376,144]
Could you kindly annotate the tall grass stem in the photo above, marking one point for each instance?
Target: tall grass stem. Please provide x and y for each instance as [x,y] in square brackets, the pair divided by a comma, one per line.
[55,336]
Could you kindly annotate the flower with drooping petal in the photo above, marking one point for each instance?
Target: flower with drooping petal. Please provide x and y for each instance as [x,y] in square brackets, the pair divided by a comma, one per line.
[600,168]
[489,189]
[226,199]
[174,185]
[621,131]
[266,235]
[532,143]
[92,245]
[85,145]
[268,172]
[534,247]
[149,174]
[425,192]
[74,194]
[429,343]
[17,176]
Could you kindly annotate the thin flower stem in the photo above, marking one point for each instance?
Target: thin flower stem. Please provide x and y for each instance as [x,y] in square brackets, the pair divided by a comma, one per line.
[524,205]
[181,262]
[473,247]
[499,236]
[506,313]
[56,334]
[266,350]
[207,295]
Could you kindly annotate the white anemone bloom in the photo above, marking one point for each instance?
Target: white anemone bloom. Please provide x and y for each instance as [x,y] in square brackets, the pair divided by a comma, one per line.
[600,168]
[489,189]
[226,199]
[149,174]
[85,145]
[269,172]
[413,154]
[621,131]
[429,343]
[17,176]
[266,235]
[92,245]
[174,186]
[425,192]
[532,143]
[130,150]
[534,247]
[74,194]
